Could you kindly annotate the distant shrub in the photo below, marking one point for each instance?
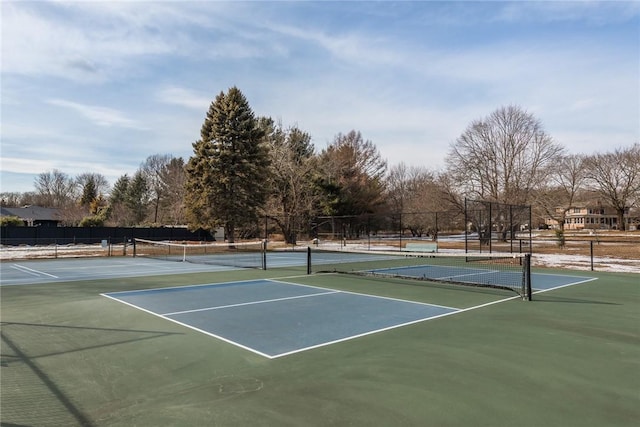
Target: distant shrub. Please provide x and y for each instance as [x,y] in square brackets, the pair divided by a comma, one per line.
[92,221]
[13,221]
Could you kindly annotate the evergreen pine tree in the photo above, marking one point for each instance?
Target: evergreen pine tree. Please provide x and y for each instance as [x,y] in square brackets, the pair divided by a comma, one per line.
[89,192]
[226,176]
[137,198]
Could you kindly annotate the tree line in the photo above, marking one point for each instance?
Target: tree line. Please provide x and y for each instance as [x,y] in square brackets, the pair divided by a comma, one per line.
[245,167]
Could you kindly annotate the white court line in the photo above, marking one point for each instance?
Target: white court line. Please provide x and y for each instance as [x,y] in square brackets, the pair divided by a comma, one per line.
[456,311]
[475,273]
[360,293]
[589,279]
[32,271]
[186,287]
[248,303]
[186,325]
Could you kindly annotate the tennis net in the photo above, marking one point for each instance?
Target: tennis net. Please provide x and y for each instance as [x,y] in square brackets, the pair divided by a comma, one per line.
[241,254]
[502,271]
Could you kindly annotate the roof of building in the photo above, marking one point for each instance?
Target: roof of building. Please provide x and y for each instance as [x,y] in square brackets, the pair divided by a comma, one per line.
[36,213]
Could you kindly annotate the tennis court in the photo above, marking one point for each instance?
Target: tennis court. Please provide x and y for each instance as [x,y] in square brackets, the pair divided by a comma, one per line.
[274,318]
[137,341]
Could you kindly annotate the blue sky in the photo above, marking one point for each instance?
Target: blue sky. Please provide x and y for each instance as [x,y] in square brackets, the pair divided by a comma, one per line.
[100,86]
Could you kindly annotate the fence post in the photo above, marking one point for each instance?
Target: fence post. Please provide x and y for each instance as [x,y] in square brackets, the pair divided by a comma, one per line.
[511,227]
[400,230]
[266,228]
[466,236]
[591,252]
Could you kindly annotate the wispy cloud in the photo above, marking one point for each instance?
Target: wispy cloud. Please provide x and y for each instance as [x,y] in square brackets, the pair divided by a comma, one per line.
[184,98]
[55,40]
[72,168]
[21,165]
[350,46]
[100,41]
[101,116]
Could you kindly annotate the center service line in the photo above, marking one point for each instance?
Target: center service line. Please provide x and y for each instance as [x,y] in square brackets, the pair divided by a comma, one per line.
[248,303]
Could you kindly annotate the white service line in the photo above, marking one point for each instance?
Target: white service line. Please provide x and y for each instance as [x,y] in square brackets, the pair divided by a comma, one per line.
[32,271]
[248,303]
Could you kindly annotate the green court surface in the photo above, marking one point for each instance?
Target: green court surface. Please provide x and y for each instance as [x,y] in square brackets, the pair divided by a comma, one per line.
[571,357]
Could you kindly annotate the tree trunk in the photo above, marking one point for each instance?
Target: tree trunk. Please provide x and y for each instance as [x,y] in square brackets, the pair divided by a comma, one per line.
[287,228]
[230,231]
[621,224]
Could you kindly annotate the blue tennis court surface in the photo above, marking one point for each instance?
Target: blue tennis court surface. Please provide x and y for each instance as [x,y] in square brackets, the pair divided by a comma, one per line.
[274,318]
[542,282]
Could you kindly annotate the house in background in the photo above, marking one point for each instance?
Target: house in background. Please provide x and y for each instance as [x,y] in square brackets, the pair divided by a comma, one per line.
[592,216]
[33,216]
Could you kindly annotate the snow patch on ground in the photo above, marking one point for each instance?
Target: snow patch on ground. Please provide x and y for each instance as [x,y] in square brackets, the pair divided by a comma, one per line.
[581,262]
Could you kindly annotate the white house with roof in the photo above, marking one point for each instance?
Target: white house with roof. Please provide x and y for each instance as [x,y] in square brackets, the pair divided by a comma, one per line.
[592,216]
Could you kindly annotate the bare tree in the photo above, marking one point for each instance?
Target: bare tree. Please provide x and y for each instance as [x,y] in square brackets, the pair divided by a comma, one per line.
[55,189]
[566,180]
[152,169]
[414,197]
[293,195]
[503,157]
[100,182]
[397,183]
[452,202]
[616,177]
[11,199]
[172,178]
[351,176]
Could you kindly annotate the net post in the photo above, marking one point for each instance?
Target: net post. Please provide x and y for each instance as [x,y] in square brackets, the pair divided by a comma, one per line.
[125,246]
[308,259]
[490,229]
[263,253]
[527,277]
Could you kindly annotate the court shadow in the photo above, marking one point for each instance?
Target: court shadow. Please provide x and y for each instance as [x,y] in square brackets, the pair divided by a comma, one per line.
[67,409]
[25,344]
[102,337]
[551,298]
